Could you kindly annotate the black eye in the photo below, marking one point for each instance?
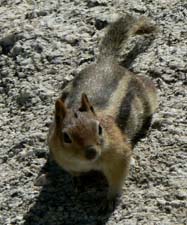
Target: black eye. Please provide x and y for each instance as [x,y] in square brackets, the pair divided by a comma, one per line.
[100,130]
[66,137]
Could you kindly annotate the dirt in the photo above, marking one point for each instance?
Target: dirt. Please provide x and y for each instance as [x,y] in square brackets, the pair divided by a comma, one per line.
[43,44]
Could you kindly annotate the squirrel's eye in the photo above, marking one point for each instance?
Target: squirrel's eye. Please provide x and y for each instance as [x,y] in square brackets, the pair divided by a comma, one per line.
[100,130]
[66,137]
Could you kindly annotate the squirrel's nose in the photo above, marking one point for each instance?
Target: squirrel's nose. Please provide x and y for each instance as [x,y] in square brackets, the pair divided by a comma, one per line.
[90,152]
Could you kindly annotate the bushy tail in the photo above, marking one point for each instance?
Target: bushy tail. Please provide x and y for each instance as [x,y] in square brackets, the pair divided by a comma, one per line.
[120,30]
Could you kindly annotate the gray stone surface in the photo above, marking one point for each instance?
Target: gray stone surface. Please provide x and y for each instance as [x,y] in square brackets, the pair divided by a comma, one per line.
[42,46]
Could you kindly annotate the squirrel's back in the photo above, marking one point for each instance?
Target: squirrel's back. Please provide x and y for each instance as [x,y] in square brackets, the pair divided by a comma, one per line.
[112,88]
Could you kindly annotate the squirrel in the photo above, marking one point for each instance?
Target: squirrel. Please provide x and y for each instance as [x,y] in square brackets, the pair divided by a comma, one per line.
[102,109]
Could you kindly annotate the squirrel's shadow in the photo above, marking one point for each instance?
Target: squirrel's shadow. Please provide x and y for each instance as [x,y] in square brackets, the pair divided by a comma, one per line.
[58,203]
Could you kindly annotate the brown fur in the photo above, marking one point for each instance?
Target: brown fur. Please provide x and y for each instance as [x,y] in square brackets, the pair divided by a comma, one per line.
[86,137]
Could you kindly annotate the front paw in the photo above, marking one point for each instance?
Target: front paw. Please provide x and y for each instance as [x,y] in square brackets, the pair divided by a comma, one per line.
[42,180]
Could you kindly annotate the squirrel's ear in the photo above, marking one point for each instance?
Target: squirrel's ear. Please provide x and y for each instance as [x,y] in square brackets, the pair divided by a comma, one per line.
[85,104]
[60,110]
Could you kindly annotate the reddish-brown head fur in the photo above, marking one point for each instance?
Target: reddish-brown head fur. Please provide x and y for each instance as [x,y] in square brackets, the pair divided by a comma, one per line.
[79,130]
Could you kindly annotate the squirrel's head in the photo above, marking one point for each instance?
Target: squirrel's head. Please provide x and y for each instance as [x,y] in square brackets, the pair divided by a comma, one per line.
[79,131]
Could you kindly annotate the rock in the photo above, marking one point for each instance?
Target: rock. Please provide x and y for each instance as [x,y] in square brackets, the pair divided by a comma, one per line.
[101,22]
[161,202]
[40,153]
[94,3]
[17,50]
[8,42]
[24,99]
[181,194]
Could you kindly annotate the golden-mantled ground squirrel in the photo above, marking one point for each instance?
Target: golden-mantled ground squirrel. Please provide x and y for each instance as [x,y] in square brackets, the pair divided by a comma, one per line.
[102,110]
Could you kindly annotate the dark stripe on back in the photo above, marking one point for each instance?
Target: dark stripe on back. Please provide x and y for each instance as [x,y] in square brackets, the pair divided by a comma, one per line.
[125,108]
[135,88]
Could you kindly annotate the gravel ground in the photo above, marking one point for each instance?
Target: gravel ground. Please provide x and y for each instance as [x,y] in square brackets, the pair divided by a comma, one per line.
[42,46]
